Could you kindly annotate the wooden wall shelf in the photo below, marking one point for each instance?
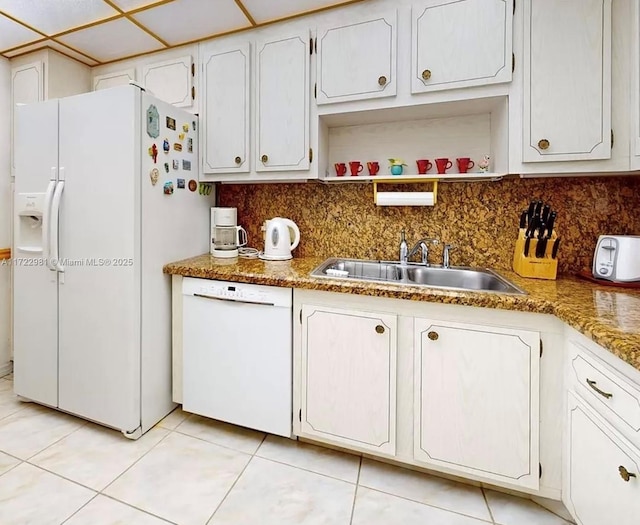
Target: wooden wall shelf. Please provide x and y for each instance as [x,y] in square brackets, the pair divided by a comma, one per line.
[416,178]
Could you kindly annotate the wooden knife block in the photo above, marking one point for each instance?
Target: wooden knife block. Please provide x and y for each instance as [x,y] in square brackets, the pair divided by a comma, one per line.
[542,268]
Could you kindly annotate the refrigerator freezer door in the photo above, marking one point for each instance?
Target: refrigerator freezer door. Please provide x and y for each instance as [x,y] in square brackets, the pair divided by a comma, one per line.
[99,342]
[35,297]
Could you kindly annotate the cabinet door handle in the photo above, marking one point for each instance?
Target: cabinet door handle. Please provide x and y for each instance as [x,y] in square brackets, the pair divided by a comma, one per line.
[433,336]
[382,80]
[544,144]
[593,384]
[264,158]
[625,474]
[426,74]
[380,329]
[238,160]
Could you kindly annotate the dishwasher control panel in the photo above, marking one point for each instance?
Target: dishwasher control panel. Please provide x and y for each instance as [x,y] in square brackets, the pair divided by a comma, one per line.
[241,292]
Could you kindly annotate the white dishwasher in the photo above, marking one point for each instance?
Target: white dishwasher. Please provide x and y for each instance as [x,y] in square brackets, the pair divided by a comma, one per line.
[237,353]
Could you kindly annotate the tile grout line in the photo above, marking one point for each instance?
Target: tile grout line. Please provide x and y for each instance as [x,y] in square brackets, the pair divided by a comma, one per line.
[486,501]
[306,470]
[431,505]
[78,510]
[355,492]
[101,491]
[219,445]
[236,481]
[28,460]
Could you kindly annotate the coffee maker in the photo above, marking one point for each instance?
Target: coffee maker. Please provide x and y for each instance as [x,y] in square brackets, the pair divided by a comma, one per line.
[226,235]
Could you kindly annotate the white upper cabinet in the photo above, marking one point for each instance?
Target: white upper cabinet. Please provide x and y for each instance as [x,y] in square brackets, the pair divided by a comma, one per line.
[170,80]
[567,80]
[117,78]
[282,104]
[27,86]
[357,60]
[226,105]
[460,44]
[603,470]
[348,382]
[476,401]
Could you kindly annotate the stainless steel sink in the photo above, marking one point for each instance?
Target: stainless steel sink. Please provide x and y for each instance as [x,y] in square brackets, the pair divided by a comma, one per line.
[453,278]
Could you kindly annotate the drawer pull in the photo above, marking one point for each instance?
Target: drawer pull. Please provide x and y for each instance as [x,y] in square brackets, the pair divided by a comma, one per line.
[625,474]
[592,384]
[380,329]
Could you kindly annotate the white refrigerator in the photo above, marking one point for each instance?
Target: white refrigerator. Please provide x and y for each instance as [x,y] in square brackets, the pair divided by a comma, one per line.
[94,223]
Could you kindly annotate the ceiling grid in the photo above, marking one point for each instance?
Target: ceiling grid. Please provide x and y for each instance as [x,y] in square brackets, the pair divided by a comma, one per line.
[98,32]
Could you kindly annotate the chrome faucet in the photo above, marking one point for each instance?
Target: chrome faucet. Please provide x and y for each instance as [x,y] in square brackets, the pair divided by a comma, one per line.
[445,255]
[422,244]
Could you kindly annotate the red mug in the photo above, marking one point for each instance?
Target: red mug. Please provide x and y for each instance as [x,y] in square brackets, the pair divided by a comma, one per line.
[423,166]
[443,165]
[355,167]
[464,164]
[341,169]
[373,167]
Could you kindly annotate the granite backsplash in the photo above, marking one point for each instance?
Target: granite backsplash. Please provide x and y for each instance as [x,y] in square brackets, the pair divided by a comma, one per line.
[480,218]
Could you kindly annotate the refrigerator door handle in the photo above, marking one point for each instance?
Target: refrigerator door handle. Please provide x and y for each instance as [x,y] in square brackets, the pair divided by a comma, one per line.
[46,221]
[55,213]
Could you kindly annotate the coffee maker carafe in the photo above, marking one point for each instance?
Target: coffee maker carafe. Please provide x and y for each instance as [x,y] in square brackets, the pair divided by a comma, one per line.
[226,235]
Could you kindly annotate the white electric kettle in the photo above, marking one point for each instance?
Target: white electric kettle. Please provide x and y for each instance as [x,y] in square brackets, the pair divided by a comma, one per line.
[278,243]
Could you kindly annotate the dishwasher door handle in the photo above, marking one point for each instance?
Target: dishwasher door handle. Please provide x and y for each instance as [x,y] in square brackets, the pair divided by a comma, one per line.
[231,300]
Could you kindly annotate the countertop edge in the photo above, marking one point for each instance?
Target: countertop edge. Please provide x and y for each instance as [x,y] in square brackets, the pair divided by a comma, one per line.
[617,344]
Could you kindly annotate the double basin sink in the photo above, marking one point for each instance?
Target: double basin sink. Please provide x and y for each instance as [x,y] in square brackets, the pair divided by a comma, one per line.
[453,278]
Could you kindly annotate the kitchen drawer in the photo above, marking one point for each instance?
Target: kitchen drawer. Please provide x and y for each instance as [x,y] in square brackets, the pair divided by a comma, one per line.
[605,390]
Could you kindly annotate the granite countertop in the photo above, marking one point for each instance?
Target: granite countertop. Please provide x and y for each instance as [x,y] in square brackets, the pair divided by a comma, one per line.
[609,316]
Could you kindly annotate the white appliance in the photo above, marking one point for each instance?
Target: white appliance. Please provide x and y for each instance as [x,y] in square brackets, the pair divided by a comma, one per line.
[278,241]
[226,235]
[237,353]
[92,308]
[617,258]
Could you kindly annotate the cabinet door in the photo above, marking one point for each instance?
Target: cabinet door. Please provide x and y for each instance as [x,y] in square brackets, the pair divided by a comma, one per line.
[349,377]
[357,60]
[171,80]
[27,86]
[117,78]
[461,44]
[598,489]
[282,104]
[476,400]
[567,80]
[226,105]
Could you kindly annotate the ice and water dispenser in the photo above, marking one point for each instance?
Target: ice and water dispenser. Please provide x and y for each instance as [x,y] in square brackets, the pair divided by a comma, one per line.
[29,208]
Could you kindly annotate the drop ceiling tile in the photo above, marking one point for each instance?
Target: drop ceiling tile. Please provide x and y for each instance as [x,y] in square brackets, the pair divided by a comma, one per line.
[13,34]
[54,16]
[112,40]
[53,45]
[186,20]
[128,5]
[263,11]
[27,49]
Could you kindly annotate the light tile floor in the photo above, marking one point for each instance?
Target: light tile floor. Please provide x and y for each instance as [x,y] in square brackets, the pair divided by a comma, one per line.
[189,470]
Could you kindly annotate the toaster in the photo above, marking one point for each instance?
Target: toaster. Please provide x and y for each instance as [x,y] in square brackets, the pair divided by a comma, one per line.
[617,258]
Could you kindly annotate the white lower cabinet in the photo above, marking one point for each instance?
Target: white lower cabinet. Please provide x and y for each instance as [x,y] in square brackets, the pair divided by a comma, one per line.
[602,478]
[348,377]
[476,400]
[381,376]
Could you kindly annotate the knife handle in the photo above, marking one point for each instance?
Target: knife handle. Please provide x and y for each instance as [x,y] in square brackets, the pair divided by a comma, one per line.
[554,251]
